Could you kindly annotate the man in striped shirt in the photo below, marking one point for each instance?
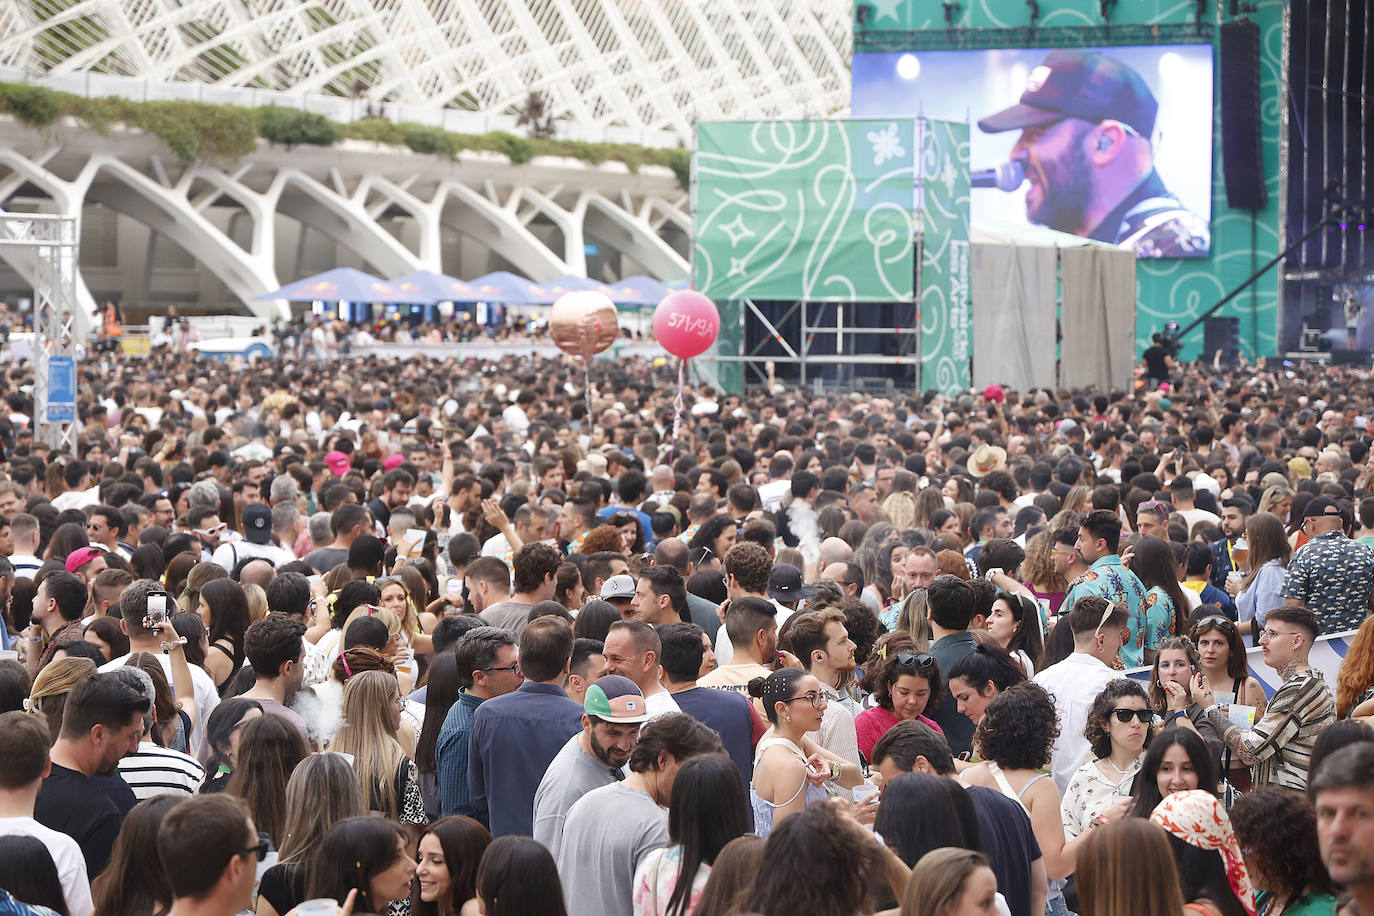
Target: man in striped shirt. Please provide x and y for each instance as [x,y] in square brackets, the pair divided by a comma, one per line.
[1279,747]
[152,769]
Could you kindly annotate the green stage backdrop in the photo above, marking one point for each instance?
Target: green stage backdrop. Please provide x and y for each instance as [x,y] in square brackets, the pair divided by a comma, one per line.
[819,211]
[1176,290]
[942,207]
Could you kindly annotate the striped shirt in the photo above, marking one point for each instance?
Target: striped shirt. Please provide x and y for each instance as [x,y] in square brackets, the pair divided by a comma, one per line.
[153,770]
[1279,747]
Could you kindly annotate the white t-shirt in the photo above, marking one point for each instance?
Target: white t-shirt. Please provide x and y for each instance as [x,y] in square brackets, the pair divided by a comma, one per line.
[66,855]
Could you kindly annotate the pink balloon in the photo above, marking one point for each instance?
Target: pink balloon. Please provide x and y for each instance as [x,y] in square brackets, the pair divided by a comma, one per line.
[686,323]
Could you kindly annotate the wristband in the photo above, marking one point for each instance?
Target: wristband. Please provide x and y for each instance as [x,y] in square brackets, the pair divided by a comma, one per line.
[1173,715]
[173,643]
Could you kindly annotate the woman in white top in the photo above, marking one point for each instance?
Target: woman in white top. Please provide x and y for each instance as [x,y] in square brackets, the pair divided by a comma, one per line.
[790,769]
[1118,731]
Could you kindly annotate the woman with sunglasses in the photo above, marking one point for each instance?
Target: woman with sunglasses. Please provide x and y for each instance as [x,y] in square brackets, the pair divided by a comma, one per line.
[1261,589]
[790,769]
[905,684]
[1118,732]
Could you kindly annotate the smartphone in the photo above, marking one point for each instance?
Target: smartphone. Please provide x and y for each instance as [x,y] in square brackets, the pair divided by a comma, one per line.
[315,579]
[155,612]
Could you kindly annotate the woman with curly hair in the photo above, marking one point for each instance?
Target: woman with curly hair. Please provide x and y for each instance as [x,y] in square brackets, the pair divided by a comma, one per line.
[904,683]
[1038,572]
[602,538]
[1277,830]
[900,509]
[1355,683]
[1015,740]
[1118,732]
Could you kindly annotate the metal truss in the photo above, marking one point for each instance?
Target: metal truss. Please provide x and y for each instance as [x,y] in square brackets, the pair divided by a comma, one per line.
[51,241]
[656,65]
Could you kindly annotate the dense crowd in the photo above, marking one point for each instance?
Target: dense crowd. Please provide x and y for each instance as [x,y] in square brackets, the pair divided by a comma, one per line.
[438,638]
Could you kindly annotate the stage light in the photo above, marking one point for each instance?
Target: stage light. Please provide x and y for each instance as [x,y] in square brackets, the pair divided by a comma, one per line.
[908,66]
[1344,225]
[1360,227]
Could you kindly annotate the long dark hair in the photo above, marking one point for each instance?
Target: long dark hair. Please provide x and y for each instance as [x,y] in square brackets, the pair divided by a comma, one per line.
[440,695]
[1146,785]
[1154,565]
[221,724]
[815,863]
[351,855]
[134,883]
[518,877]
[919,814]
[708,810]
[229,615]
[1202,874]
[1028,636]
[463,841]
[27,871]
[270,749]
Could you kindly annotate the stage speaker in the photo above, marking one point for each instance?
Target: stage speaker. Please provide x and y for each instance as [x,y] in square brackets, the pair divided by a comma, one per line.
[1242,164]
[1221,334]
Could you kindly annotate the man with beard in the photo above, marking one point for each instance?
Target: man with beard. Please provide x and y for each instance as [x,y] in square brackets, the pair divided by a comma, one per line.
[614,710]
[1086,122]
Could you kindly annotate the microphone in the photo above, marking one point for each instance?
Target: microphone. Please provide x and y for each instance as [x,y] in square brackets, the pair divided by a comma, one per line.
[1006,177]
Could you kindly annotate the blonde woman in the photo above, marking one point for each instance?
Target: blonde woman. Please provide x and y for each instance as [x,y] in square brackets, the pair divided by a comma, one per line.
[900,509]
[372,703]
[257,601]
[950,882]
[322,791]
[48,695]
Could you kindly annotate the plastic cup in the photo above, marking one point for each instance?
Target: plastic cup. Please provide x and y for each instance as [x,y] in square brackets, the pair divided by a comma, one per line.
[320,906]
[864,791]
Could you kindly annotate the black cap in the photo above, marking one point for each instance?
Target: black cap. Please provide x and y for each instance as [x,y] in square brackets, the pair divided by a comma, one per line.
[1321,506]
[1079,84]
[257,524]
[785,584]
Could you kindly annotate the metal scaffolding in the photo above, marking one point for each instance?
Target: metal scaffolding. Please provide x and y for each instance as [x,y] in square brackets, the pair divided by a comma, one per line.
[52,242]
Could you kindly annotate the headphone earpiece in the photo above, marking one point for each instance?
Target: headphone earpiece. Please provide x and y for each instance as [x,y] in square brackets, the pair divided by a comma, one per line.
[1104,143]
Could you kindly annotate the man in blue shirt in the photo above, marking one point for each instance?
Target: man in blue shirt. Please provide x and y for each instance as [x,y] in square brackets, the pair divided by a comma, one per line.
[728,712]
[1098,539]
[515,736]
[488,666]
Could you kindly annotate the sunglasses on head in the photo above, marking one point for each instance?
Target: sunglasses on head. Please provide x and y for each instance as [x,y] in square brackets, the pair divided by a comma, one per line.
[916,661]
[1221,623]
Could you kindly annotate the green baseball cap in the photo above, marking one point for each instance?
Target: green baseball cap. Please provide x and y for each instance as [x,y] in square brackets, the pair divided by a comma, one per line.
[616,699]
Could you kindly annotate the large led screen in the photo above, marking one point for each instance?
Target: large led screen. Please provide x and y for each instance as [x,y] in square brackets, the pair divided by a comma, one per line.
[1113,144]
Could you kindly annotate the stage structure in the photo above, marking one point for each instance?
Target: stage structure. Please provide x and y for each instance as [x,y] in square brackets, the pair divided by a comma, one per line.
[51,243]
[807,234]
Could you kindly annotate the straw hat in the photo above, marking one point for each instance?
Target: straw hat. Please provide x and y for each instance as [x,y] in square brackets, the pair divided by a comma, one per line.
[986,459]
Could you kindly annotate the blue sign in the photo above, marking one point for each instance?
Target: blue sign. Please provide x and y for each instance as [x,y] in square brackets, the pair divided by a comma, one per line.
[61,389]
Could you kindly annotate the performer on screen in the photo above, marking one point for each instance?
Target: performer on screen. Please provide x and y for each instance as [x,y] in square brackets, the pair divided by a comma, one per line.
[1085,122]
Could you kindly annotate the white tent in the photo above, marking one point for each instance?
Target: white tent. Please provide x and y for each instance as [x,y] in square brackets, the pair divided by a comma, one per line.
[1028,281]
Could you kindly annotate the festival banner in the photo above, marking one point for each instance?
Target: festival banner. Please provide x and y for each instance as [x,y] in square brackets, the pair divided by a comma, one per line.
[814,211]
[942,213]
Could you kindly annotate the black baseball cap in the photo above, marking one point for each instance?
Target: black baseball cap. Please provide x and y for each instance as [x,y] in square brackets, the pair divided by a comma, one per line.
[1079,84]
[785,584]
[257,524]
[1321,506]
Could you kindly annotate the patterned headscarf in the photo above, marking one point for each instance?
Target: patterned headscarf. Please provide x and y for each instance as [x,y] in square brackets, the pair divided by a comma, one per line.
[1198,819]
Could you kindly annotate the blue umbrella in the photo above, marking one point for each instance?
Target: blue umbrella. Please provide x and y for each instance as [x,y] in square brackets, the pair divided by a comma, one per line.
[639,290]
[343,284]
[434,287]
[504,287]
[552,290]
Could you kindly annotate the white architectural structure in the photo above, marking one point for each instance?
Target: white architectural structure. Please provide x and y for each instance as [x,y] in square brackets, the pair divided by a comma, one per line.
[653,65]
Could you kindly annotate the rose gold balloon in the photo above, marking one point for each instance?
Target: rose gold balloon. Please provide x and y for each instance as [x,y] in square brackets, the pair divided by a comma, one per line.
[583,323]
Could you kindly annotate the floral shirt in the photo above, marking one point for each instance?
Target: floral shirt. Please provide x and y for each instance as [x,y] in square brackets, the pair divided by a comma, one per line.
[1090,792]
[1158,623]
[657,877]
[1107,578]
[1333,576]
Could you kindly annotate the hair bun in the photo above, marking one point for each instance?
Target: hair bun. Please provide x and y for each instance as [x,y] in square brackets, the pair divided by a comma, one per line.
[756,687]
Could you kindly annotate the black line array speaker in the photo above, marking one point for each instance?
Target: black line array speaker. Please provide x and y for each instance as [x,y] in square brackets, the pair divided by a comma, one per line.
[1221,334]
[1242,164]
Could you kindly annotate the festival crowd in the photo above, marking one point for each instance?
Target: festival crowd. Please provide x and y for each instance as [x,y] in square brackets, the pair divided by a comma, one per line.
[434,638]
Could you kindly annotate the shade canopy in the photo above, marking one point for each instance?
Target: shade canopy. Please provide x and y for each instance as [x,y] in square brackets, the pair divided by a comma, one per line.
[434,287]
[550,292]
[503,287]
[344,284]
[639,290]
